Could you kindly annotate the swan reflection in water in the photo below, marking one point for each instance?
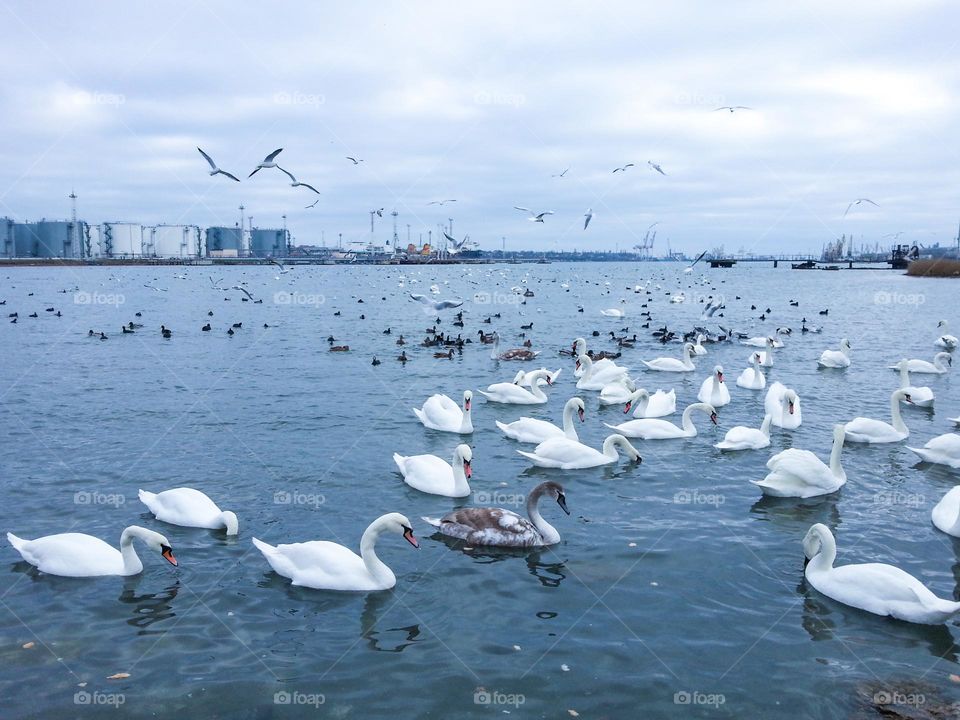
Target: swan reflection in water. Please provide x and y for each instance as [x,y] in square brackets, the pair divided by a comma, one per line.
[149,608]
[393,640]
[549,572]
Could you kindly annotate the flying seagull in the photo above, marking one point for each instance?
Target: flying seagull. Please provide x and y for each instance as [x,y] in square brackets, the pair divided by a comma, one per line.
[439,202]
[267,162]
[216,283]
[435,305]
[656,167]
[312,204]
[214,170]
[354,160]
[624,168]
[243,290]
[296,183]
[589,216]
[283,269]
[457,244]
[689,268]
[561,174]
[534,217]
[857,202]
[732,108]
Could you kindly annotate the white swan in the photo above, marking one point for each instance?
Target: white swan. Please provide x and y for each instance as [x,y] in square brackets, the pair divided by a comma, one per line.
[580,348]
[919,396]
[82,555]
[653,429]
[940,365]
[946,341]
[714,389]
[593,379]
[441,413]
[523,379]
[617,392]
[698,348]
[665,364]
[660,404]
[764,356]
[941,450]
[801,474]
[764,341]
[488,526]
[746,438]
[875,587]
[430,474]
[836,358]
[571,455]
[868,430]
[531,430]
[189,508]
[946,513]
[613,313]
[325,565]
[753,378]
[510,394]
[783,405]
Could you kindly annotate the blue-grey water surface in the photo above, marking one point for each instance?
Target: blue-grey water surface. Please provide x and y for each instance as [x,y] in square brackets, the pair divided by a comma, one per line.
[649,607]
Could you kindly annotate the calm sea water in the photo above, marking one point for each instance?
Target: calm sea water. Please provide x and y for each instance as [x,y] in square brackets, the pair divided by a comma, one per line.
[649,605]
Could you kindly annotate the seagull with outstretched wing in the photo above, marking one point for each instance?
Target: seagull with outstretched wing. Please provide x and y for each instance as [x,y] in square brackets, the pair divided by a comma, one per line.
[296,183]
[439,202]
[268,162]
[588,215]
[732,108]
[857,202]
[656,167]
[435,305]
[534,217]
[214,170]
[624,168]
[354,160]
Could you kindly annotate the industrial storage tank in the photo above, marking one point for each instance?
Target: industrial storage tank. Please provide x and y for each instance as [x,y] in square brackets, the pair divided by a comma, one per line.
[6,238]
[268,242]
[224,241]
[172,241]
[121,239]
[46,239]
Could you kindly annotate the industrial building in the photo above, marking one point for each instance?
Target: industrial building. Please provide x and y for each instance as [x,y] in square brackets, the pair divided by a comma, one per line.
[224,242]
[43,239]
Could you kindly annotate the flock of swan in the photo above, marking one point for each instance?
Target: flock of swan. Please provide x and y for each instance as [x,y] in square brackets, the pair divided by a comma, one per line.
[792,473]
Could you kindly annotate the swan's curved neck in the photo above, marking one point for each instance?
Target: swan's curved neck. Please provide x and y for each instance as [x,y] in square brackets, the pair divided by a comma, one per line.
[687,421]
[568,428]
[495,349]
[686,355]
[610,446]
[587,364]
[765,425]
[824,559]
[375,566]
[898,423]
[546,530]
[230,522]
[835,467]
[466,420]
[904,375]
[131,561]
[460,484]
[938,362]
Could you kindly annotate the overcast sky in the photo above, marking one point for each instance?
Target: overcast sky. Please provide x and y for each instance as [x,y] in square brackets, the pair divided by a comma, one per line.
[483,103]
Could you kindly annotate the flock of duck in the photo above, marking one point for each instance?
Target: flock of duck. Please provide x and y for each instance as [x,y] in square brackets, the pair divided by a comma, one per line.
[792,473]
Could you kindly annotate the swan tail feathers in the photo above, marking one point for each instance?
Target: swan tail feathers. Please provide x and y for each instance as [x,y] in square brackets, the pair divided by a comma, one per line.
[17,542]
[528,455]
[503,426]
[435,522]
[419,413]
[399,460]
[266,548]
[146,497]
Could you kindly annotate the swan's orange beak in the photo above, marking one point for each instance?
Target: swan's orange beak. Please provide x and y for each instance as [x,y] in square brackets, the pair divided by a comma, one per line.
[167,553]
[720,376]
[626,409]
[908,399]
[713,418]
[467,469]
[791,408]
[408,536]
[578,364]
[580,414]
[466,405]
